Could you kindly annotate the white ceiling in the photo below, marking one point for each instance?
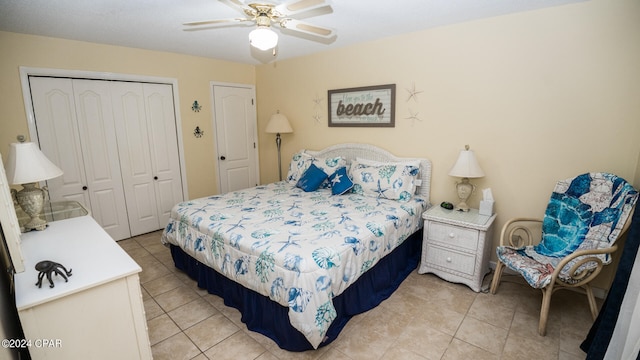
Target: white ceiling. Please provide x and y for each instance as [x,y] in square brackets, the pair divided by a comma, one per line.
[157,24]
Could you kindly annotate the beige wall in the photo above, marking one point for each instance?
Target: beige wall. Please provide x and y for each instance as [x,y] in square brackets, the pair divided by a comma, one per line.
[194,75]
[539,96]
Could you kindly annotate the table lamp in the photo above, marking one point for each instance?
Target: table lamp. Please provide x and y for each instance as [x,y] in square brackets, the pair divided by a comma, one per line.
[27,165]
[278,124]
[466,167]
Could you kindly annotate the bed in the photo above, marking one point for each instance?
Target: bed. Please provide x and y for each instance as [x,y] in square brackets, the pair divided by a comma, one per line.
[300,257]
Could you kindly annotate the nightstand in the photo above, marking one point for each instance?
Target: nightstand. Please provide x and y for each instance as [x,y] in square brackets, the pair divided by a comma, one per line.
[456,245]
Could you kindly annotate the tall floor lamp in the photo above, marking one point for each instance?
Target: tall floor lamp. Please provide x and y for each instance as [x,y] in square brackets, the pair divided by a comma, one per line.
[278,124]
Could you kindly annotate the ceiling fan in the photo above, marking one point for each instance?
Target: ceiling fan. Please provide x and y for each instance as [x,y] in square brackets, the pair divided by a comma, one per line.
[265,14]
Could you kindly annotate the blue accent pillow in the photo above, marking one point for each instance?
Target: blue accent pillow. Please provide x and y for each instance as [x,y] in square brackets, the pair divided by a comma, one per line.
[340,182]
[329,166]
[311,179]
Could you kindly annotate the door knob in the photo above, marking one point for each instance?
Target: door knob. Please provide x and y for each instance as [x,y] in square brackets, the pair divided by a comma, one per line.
[222,158]
[155,178]
[84,187]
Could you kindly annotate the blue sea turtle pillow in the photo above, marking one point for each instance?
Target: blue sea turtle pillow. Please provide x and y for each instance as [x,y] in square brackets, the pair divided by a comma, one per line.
[584,212]
[565,226]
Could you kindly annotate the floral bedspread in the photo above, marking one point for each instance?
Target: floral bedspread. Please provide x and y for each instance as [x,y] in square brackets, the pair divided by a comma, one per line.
[299,249]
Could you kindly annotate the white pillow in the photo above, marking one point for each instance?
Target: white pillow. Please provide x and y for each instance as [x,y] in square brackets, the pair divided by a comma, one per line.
[414,165]
[300,162]
[329,166]
[414,162]
[394,181]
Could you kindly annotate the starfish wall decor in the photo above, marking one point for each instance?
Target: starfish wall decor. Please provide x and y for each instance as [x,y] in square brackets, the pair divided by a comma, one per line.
[413,94]
[413,117]
[317,106]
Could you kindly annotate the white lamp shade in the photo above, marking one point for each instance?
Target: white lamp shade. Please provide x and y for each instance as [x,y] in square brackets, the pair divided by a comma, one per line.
[466,166]
[27,164]
[278,124]
[263,38]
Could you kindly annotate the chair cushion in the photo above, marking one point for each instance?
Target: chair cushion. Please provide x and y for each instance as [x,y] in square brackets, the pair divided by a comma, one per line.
[538,269]
[585,212]
[536,273]
[565,225]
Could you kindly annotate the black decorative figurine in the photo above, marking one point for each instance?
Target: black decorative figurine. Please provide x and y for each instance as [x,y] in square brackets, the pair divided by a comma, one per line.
[48,267]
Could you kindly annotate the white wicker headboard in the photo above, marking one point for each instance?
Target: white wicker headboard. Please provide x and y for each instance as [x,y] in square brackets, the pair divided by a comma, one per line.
[350,151]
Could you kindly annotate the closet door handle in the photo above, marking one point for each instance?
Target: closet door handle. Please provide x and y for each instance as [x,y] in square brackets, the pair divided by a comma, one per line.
[84,187]
[222,158]
[155,178]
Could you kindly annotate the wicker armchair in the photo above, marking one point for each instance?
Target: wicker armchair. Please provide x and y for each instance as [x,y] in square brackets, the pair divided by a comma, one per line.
[574,241]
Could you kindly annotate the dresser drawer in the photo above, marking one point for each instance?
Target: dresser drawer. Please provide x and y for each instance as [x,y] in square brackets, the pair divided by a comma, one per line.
[452,235]
[452,260]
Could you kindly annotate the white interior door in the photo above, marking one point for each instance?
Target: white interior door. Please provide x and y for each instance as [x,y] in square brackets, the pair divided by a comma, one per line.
[135,160]
[100,154]
[76,130]
[236,137]
[164,149]
[118,145]
[55,111]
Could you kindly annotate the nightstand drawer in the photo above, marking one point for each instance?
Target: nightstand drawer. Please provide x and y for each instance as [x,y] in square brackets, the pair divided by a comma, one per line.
[452,260]
[452,235]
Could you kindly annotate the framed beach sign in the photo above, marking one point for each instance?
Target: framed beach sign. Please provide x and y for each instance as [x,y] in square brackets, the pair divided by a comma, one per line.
[370,106]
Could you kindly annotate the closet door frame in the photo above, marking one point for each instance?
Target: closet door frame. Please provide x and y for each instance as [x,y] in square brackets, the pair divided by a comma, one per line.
[25,72]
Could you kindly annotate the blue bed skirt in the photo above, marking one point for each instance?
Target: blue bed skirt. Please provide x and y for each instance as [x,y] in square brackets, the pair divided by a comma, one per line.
[271,319]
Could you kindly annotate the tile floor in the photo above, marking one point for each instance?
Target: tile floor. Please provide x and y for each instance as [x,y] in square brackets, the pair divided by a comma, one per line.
[426,318]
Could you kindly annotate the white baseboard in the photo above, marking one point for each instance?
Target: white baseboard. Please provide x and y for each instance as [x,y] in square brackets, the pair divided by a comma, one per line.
[597,292]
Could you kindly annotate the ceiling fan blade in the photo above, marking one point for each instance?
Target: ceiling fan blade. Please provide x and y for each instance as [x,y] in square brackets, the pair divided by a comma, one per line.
[241,7]
[294,7]
[219,21]
[236,4]
[307,28]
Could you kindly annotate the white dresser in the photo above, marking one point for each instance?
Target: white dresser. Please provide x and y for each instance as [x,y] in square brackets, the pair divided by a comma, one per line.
[456,245]
[98,313]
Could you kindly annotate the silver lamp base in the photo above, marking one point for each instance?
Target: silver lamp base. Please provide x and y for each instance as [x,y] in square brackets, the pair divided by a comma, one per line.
[31,200]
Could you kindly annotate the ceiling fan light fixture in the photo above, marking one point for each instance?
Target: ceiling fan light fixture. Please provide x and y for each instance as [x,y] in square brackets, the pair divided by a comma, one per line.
[263,38]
